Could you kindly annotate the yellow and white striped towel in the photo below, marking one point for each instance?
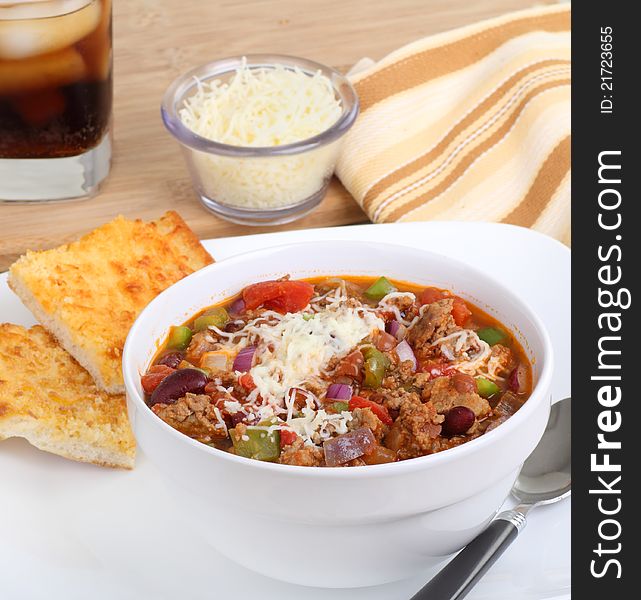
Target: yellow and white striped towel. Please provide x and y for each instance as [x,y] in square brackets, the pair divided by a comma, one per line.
[468,125]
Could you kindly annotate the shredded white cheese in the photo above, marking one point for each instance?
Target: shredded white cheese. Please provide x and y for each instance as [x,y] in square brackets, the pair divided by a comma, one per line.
[468,353]
[292,354]
[295,349]
[388,303]
[263,107]
[314,427]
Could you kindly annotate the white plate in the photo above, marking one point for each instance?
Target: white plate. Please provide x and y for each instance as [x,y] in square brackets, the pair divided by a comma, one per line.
[71,531]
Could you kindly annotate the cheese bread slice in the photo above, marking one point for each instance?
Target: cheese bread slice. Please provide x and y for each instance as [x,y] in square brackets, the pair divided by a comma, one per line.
[49,399]
[89,293]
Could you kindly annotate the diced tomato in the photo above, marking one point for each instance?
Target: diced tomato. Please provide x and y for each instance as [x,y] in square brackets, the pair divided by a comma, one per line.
[281,296]
[430,294]
[287,437]
[247,381]
[436,368]
[378,409]
[151,380]
[460,312]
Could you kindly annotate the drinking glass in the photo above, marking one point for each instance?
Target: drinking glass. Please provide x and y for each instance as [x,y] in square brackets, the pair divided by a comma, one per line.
[55,98]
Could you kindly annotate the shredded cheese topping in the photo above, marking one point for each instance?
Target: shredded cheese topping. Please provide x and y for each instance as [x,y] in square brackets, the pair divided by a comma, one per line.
[390,302]
[263,107]
[295,349]
[467,352]
[314,427]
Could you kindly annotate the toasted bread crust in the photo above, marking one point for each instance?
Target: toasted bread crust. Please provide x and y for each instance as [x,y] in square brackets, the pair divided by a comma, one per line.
[49,399]
[89,293]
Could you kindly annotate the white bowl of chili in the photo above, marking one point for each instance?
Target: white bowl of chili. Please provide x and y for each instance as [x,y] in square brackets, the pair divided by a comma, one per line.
[339,527]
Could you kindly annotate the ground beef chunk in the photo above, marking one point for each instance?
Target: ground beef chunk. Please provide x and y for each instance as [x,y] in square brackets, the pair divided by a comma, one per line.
[316,386]
[193,415]
[420,380]
[394,399]
[415,430]
[201,342]
[251,314]
[364,417]
[444,396]
[445,443]
[226,378]
[501,361]
[301,455]
[398,373]
[412,311]
[436,322]
[403,303]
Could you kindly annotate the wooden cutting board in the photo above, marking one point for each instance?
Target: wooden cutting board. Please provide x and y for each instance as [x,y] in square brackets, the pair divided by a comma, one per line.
[156,40]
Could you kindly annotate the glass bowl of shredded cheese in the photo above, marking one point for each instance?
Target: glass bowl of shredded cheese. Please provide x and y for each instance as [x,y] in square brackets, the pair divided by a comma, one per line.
[261,134]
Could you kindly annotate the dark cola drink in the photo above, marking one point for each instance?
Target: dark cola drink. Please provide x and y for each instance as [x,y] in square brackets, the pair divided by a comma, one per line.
[55,98]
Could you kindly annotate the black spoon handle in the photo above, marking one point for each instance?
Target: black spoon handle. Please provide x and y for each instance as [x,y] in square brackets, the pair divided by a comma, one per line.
[461,574]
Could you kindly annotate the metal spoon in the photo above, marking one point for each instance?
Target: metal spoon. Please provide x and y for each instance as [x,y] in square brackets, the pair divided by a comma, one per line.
[544,478]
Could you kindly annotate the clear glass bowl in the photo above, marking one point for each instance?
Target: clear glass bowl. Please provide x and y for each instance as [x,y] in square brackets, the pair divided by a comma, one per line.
[234,182]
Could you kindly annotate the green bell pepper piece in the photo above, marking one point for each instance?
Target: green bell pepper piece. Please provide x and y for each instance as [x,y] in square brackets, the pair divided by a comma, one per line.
[491,335]
[218,317]
[179,337]
[375,365]
[340,407]
[380,288]
[259,445]
[486,388]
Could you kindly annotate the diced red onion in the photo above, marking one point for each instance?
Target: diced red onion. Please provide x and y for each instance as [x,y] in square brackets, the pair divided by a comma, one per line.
[397,329]
[348,446]
[392,327]
[404,352]
[516,382]
[339,391]
[243,360]
[237,306]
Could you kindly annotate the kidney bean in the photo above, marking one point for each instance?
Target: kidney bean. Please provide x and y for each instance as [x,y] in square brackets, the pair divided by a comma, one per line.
[458,420]
[176,385]
[173,359]
[385,341]
[463,383]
